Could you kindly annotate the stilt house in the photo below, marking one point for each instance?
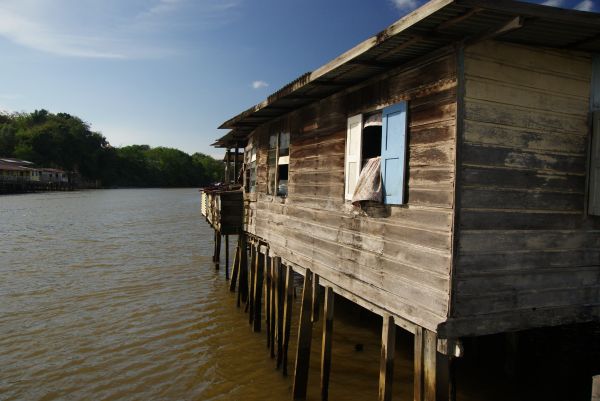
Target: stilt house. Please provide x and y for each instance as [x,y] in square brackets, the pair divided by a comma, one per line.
[472,128]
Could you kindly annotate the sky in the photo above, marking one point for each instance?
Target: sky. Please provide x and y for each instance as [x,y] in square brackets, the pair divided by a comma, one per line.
[169,72]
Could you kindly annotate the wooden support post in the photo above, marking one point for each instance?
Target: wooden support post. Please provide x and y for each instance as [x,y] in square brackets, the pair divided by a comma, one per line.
[315,301]
[218,251]
[243,286]
[386,364]
[253,266]
[287,316]
[327,340]
[418,365]
[596,388]
[235,268]
[215,246]
[258,286]
[304,339]
[267,293]
[226,257]
[429,365]
[280,308]
[273,301]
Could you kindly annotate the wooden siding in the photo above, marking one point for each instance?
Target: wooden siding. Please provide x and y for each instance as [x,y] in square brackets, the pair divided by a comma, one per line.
[526,247]
[399,257]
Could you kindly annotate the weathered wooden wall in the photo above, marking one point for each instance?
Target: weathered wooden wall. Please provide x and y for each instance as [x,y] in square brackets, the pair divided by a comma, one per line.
[528,255]
[399,258]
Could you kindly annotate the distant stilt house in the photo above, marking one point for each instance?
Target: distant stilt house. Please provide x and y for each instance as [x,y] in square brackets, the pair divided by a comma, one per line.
[22,176]
[444,174]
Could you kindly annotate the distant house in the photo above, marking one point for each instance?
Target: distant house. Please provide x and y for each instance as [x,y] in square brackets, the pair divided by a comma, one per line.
[17,170]
[53,175]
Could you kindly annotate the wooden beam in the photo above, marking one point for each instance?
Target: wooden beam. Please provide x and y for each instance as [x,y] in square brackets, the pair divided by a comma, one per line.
[226,257]
[287,315]
[509,26]
[253,267]
[218,250]
[315,300]
[258,287]
[235,267]
[243,280]
[327,341]
[429,365]
[304,339]
[418,392]
[273,310]
[596,388]
[279,308]
[267,295]
[386,363]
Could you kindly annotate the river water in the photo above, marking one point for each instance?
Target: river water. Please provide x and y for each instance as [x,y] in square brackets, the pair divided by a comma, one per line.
[112,295]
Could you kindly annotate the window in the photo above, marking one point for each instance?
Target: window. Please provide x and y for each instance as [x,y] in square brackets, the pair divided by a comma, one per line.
[278,160]
[250,174]
[378,134]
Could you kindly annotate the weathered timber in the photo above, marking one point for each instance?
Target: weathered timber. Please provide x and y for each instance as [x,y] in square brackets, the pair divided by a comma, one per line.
[418,367]
[258,290]
[267,297]
[596,388]
[314,317]
[243,280]
[251,294]
[279,308]
[226,257]
[273,301]
[287,316]
[429,366]
[328,305]
[235,267]
[304,339]
[386,364]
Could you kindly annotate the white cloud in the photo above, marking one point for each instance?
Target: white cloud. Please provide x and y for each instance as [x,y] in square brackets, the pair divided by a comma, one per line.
[585,5]
[554,3]
[259,84]
[110,29]
[405,5]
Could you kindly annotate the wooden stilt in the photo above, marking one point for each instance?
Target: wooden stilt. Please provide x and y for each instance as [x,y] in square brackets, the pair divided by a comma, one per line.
[218,251]
[280,308]
[418,365]
[227,257]
[304,339]
[596,388]
[235,267]
[215,246]
[287,316]
[253,266]
[429,365]
[386,365]
[258,286]
[327,340]
[243,275]
[273,302]
[267,295]
[315,301]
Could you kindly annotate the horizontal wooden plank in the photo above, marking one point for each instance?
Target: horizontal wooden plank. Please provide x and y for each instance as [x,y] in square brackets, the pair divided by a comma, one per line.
[522,117]
[430,134]
[475,241]
[498,198]
[440,154]
[423,176]
[504,71]
[508,136]
[522,179]
[476,155]
[525,260]
[561,63]
[486,219]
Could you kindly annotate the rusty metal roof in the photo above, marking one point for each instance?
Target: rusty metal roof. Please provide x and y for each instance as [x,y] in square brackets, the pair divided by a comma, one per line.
[435,25]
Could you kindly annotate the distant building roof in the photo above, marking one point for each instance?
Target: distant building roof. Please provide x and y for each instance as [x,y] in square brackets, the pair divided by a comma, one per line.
[18,162]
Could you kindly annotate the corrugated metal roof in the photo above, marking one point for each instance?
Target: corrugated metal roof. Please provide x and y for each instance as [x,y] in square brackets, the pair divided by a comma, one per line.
[435,25]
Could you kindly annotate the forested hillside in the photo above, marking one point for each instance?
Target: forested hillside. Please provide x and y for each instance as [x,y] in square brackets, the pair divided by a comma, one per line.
[65,141]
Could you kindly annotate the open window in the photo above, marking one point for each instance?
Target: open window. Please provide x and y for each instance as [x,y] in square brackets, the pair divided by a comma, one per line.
[250,170]
[381,134]
[278,164]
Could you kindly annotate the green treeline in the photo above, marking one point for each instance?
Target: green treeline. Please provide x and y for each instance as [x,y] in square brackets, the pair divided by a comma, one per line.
[65,141]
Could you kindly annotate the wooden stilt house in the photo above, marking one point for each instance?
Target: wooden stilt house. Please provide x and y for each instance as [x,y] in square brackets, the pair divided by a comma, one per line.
[481,119]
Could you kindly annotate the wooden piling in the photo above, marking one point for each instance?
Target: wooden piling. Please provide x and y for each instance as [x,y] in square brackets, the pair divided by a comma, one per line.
[258,286]
[287,316]
[596,388]
[273,300]
[226,257]
[280,304]
[386,364]
[253,266]
[243,274]
[418,393]
[315,300]
[429,365]
[304,339]
[327,341]
[235,267]
[218,251]
[267,297]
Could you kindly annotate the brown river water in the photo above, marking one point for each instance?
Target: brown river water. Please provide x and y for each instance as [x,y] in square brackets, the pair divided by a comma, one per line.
[112,295]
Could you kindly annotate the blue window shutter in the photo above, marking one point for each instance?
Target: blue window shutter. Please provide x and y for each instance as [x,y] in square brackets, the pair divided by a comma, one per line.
[393,153]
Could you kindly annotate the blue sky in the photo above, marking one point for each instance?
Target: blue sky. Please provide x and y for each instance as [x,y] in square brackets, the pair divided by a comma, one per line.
[168,72]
